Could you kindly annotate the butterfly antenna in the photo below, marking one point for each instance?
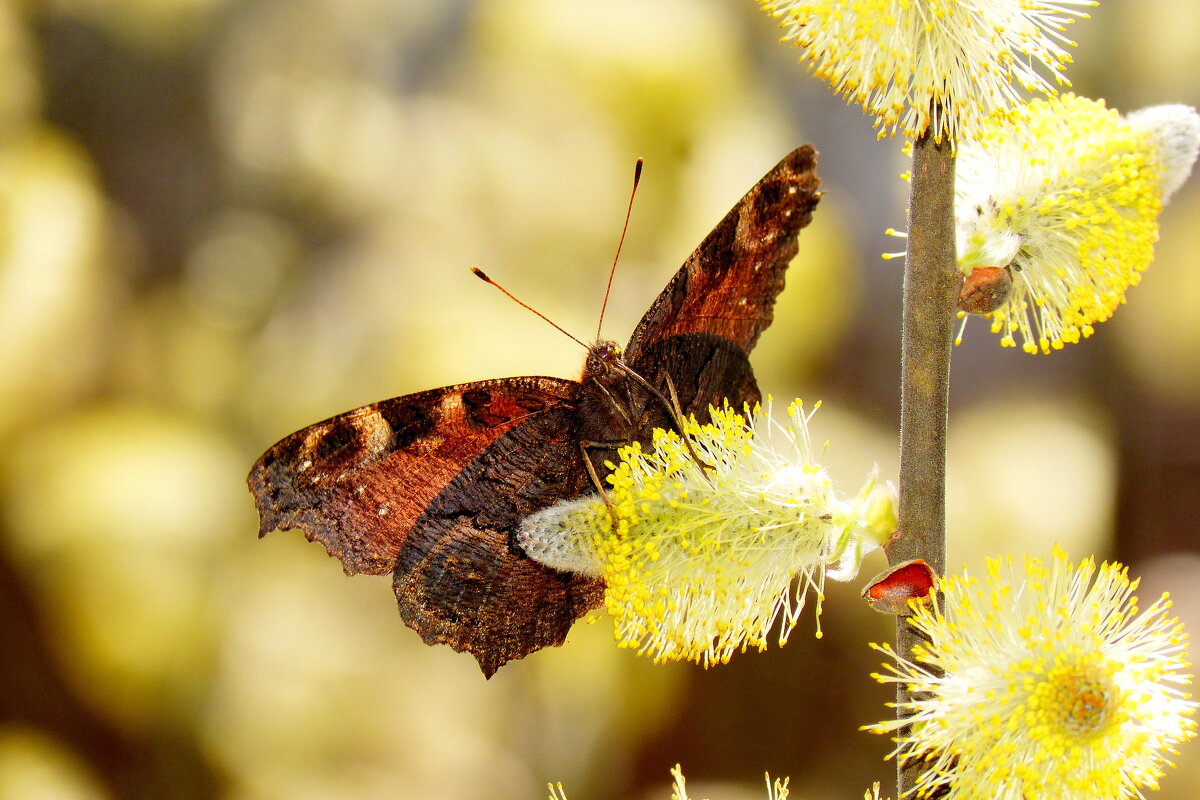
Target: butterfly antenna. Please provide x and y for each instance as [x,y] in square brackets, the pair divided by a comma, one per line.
[483,276]
[637,176]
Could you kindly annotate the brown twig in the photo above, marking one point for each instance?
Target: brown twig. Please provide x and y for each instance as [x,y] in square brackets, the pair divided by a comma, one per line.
[931,285]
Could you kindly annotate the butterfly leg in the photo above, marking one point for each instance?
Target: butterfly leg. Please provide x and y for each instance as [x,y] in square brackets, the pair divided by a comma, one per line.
[584,446]
[674,411]
[673,408]
[676,407]
[677,415]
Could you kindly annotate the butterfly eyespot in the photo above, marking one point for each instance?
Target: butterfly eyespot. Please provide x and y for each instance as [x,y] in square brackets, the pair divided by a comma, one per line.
[384,509]
[304,465]
[792,190]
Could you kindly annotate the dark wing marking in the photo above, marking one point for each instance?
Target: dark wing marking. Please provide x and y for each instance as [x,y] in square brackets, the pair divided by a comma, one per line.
[357,482]
[728,285]
[461,580]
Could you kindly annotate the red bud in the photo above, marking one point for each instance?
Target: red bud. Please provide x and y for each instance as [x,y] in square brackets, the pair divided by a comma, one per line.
[891,591]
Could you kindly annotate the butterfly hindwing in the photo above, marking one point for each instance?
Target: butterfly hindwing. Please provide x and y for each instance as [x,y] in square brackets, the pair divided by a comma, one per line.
[704,369]
[358,481]
[461,580]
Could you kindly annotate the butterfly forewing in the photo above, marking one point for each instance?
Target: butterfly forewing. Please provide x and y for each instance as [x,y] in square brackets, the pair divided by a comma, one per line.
[728,285]
[357,482]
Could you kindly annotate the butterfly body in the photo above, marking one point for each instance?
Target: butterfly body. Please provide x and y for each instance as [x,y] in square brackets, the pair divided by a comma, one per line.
[432,486]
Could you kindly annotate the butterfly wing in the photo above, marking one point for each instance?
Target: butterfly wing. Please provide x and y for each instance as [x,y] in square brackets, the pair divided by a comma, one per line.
[358,482]
[702,326]
[461,580]
[433,485]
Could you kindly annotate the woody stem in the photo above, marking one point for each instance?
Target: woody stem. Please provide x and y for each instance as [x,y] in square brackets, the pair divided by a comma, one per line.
[931,285]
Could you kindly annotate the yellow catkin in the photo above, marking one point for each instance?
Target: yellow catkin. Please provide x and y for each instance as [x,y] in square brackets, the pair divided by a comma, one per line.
[1059,690]
[945,64]
[1067,201]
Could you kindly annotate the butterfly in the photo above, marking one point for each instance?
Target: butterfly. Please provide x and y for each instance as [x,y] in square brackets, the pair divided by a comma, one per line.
[433,486]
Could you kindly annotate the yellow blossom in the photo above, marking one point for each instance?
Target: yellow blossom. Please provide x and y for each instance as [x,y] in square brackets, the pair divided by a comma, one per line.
[1057,215]
[704,556]
[1042,683]
[945,64]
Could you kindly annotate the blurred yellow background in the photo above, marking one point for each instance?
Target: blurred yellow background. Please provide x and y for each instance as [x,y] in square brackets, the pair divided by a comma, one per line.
[221,220]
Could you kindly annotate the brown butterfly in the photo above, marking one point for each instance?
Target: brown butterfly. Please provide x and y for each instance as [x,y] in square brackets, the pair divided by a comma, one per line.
[432,486]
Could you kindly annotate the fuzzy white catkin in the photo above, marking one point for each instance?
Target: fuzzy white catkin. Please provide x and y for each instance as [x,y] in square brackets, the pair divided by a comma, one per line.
[1175,129]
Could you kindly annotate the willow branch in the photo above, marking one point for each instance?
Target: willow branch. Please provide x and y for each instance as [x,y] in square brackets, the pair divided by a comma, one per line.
[931,286]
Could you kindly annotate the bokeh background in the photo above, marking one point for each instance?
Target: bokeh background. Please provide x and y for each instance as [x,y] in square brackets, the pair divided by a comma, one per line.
[221,220]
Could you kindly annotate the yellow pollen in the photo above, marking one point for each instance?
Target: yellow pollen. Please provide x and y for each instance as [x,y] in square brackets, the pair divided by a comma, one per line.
[1079,697]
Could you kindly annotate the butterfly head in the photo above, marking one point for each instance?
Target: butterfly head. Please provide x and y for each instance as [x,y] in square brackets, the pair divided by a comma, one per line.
[604,363]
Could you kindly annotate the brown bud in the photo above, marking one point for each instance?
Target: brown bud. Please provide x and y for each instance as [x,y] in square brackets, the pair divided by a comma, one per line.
[891,591]
[985,290]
